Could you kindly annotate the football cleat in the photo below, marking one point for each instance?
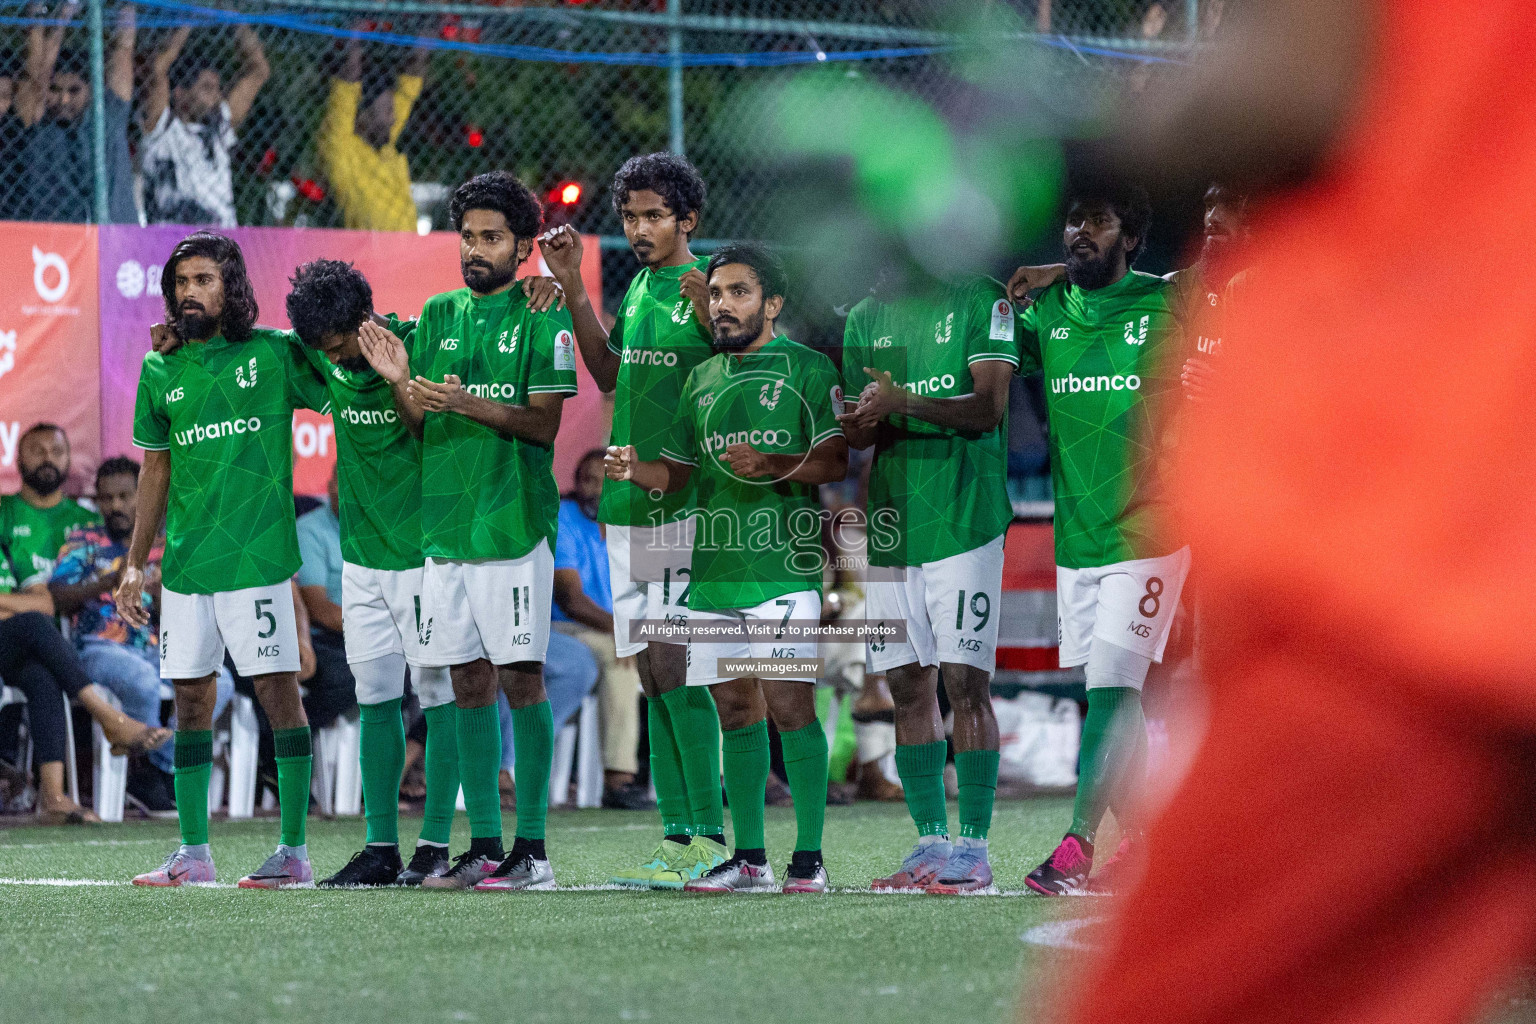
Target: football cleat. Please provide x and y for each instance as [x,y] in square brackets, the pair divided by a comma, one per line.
[373,865]
[1116,873]
[734,875]
[469,870]
[427,862]
[179,869]
[667,856]
[806,873]
[282,870]
[526,873]
[919,869]
[967,870]
[699,858]
[1065,870]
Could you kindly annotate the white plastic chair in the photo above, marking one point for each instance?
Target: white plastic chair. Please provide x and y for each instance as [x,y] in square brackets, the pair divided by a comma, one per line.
[110,775]
[9,695]
[581,739]
[243,741]
[336,781]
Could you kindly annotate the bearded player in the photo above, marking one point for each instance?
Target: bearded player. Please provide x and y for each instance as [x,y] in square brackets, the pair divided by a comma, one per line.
[1101,338]
[758,423]
[215,418]
[659,335]
[934,364]
[491,376]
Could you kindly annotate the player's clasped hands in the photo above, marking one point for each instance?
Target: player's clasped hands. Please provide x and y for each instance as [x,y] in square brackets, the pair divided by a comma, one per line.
[745,461]
[881,397]
[619,461]
[430,396]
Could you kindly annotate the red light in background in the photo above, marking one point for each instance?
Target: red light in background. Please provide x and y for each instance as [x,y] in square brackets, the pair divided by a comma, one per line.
[474,136]
[569,193]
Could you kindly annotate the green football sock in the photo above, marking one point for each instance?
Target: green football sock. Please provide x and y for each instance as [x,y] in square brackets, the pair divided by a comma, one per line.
[441,767]
[696,726]
[805,764]
[1109,746]
[381,755]
[533,738]
[921,769]
[976,772]
[667,771]
[746,779]
[292,750]
[479,732]
[193,760]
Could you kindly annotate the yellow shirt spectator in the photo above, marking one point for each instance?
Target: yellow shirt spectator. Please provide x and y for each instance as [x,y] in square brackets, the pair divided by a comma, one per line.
[371,185]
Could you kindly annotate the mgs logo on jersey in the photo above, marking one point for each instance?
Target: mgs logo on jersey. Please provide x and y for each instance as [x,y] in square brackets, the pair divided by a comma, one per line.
[449,344]
[240,374]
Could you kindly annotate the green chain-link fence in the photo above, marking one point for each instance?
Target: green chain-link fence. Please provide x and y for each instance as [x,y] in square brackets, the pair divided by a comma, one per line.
[248,112]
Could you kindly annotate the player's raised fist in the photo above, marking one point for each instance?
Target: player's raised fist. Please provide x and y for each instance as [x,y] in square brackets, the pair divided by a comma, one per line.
[561,247]
[619,461]
[696,290]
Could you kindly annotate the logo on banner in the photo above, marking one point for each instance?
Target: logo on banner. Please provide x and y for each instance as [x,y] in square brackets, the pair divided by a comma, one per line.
[42,262]
[7,352]
[135,279]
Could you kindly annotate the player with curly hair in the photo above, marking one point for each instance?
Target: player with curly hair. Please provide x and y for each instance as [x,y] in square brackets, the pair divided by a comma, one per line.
[660,333]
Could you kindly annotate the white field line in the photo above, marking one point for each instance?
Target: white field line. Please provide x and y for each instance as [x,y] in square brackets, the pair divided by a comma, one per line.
[82,842]
[1060,934]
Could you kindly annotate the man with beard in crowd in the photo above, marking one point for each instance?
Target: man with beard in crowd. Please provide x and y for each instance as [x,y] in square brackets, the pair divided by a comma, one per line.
[35,520]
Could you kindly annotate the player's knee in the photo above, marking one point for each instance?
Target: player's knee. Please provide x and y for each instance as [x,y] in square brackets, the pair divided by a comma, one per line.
[474,684]
[912,684]
[523,683]
[195,700]
[791,702]
[433,686]
[969,689]
[379,679]
[739,703]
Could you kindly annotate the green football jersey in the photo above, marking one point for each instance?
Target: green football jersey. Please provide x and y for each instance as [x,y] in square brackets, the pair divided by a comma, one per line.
[486,494]
[933,491]
[224,410]
[378,464]
[658,341]
[1105,358]
[35,535]
[756,539]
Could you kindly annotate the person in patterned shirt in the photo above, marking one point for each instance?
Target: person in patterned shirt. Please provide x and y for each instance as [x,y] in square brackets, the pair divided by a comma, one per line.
[118,656]
[215,419]
[757,425]
[660,334]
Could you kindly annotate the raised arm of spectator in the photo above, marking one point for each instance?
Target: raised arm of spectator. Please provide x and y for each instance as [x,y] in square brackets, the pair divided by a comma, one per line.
[574,602]
[257,71]
[43,45]
[408,89]
[120,61]
[340,121]
[158,95]
[562,253]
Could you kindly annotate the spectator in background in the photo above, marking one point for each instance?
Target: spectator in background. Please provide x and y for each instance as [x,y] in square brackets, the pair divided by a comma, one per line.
[53,101]
[189,128]
[35,521]
[584,609]
[331,690]
[118,657]
[11,139]
[38,661]
[370,180]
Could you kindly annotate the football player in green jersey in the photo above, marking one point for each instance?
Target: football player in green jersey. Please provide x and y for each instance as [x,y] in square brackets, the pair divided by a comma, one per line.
[659,335]
[756,430]
[1103,339]
[378,471]
[35,520]
[491,376]
[932,365]
[215,418]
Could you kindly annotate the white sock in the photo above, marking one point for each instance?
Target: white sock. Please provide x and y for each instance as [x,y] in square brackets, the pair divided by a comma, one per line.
[930,840]
[971,841]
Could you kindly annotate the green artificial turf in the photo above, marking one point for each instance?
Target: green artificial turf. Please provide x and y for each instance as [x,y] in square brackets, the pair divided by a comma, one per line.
[121,954]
